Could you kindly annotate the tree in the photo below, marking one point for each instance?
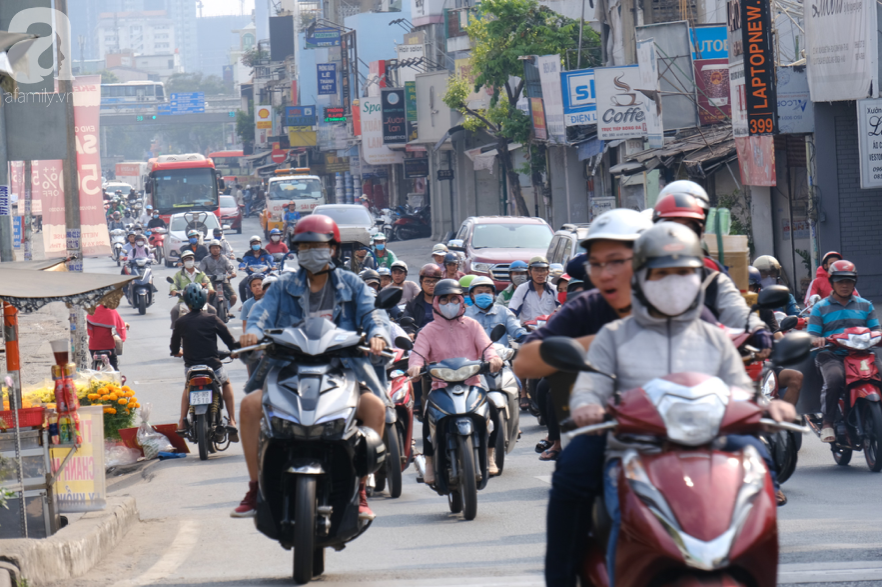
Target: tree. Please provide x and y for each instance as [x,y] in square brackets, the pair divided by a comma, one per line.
[108,77]
[210,85]
[245,124]
[506,31]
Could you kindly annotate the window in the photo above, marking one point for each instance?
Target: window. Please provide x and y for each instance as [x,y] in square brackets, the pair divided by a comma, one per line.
[353,216]
[511,236]
[296,189]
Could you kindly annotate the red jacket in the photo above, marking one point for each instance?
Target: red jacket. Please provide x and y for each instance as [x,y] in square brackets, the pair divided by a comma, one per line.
[99,326]
[821,286]
[273,248]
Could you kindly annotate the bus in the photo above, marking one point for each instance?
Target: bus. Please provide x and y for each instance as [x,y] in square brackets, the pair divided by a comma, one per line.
[229,163]
[134,94]
[184,183]
[291,185]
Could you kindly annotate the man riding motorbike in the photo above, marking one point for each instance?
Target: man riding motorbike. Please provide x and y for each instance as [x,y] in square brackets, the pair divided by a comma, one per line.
[439,251]
[198,331]
[187,275]
[317,289]
[192,245]
[291,214]
[821,283]
[276,245]
[361,260]
[383,257]
[842,309]
[256,255]
[146,216]
[256,286]
[452,335]
[663,335]
[517,273]
[156,221]
[488,314]
[536,297]
[770,274]
[226,247]
[409,289]
[385,276]
[116,222]
[216,264]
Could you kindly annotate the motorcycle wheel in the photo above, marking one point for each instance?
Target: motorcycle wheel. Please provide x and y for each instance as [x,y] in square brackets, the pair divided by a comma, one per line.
[499,424]
[454,502]
[873,439]
[393,461]
[318,562]
[304,529]
[202,436]
[841,455]
[468,484]
[221,311]
[142,305]
[159,257]
[396,233]
[790,456]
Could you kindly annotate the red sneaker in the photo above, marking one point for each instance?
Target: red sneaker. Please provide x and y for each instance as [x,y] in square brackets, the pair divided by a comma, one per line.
[248,507]
[364,511]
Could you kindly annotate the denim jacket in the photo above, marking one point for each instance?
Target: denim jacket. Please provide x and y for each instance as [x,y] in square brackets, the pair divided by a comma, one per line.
[498,314]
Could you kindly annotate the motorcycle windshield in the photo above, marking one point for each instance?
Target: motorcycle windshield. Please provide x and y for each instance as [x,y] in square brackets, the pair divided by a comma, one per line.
[314,336]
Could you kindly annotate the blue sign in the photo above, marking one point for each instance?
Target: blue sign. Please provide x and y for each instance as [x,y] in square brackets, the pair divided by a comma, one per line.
[300,116]
[323,36]
[711,42]
[16,231]
[327,79]
[183,103]
[579,97]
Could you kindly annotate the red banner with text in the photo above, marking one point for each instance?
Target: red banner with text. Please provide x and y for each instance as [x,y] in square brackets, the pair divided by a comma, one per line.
[87,107]
[48,182]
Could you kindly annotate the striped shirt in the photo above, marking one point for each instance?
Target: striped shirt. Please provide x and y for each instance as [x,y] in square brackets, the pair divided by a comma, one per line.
[829,316]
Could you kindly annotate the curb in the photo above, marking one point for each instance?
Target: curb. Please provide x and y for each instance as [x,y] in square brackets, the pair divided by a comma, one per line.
[73,550]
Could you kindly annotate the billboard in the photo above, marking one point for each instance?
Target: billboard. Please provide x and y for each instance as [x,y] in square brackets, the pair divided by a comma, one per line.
[579,97]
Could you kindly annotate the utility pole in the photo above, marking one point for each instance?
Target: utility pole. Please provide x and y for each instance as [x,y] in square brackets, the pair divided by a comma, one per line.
[26,221]
[78,339]
[6,253]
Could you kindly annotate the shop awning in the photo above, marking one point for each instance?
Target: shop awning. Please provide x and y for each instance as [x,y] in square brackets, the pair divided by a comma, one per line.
[257,156]
[29,290]
[44,265]
[701,151]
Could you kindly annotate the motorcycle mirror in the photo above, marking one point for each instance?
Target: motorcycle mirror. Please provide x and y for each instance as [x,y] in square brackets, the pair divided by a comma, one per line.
[793,348]
[773,296]
[406,321]
[814,300]
[388,298]
[239,259]
[498,332]
[404,343]
[456,245]
[170,280]
[788,323]
[565,354]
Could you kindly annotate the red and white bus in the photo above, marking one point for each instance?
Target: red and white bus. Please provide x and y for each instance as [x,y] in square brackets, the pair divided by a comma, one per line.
[184,183]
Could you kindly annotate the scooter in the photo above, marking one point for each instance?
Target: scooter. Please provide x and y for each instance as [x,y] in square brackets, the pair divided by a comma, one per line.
[800,321]
[503,390]
[415,225]
[858,425]
[207,423]
[312,450]
[718,528]
[459,424]
[219,301]
[156,238]
[117,243]
[399,434]
[140,290]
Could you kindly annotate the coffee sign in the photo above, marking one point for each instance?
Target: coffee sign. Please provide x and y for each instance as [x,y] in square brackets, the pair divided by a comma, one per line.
[621,109]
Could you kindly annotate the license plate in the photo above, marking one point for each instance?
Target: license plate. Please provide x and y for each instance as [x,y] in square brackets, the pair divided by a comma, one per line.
[199,398]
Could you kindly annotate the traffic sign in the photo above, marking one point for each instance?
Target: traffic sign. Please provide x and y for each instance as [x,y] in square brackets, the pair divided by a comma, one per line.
[300,116]
[279,155]
[183,103]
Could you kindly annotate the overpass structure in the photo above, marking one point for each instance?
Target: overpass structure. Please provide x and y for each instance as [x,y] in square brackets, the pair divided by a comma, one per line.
[217,111]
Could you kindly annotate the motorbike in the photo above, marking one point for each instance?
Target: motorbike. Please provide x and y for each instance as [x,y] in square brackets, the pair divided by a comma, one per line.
[459,425]
[413,225]
[117,243]
[800,321]
[383,221]
[503,391]
[156,238]
[312,451]
[207,423]
[716,529]
[219,301]
[859,422]
[140,290]
[399,434]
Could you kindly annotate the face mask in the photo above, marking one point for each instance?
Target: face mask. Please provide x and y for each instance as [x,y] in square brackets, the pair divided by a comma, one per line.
[314,260]
[468,301]
[194,240]
[189,264]
[276,239]
[380,246]
[255,247]
[562,297]
[139,243]
[767,281]
[518,279]
[672,295]
[156,215]
[483,300]
[449,311]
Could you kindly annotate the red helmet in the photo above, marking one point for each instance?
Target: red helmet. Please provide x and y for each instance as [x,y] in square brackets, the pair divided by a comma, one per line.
[316,228]
[842,271]
[430,270]
[678,206]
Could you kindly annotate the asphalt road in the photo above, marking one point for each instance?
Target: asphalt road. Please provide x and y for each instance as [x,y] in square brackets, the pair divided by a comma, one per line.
[830,531]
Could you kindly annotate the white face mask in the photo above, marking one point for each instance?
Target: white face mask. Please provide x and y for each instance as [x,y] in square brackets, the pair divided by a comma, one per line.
[449,311]
[518,279]
[672,295]
[189,264]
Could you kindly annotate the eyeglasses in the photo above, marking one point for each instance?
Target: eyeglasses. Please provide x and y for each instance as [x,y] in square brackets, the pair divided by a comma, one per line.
[430,281]
[614,265]
[444,300]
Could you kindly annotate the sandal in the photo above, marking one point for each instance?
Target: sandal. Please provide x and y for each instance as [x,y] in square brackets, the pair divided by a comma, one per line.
[543,445]
[780,498]
[524,404]
[549,455]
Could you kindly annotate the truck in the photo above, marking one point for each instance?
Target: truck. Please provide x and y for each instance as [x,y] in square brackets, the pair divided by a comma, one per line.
[296,185]
[133,173]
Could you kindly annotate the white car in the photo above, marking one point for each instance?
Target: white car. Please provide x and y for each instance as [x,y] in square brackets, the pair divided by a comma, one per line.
[204,222]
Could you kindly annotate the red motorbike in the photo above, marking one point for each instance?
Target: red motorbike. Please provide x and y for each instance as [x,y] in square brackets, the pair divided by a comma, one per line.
[691,515]
[411,225]
[859,422]
[399,435]
[156,238]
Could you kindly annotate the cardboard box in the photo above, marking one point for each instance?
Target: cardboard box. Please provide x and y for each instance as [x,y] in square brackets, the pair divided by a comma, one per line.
[736,256]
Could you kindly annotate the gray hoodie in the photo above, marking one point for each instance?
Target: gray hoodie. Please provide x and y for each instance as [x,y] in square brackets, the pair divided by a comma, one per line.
[640,348]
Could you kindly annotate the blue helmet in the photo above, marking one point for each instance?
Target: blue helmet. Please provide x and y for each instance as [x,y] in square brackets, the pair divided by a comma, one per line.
[754,276]
[194,296]
[517,266]
[275,231]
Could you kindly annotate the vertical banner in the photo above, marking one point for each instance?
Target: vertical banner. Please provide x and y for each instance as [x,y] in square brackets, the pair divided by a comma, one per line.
[537,111]
[327,79]
[51,190]
[375,150]
[87,104]
[649,86]
[394,117]
[756,160]
[621,109]
[549,77]
[712,87]
[759,67]
[869,131]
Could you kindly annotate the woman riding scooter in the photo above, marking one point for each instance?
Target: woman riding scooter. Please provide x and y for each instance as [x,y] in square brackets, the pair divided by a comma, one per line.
[451,335]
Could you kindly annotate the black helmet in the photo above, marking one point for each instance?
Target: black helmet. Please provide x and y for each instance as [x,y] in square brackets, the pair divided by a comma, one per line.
[369,275]
[446,287]
[194,296]
[667,244]
[451,258]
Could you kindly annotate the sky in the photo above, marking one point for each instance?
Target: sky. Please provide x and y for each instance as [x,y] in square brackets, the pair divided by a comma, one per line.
[220,7]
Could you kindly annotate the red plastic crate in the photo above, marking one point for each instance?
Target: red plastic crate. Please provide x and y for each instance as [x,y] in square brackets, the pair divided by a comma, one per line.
[27,418]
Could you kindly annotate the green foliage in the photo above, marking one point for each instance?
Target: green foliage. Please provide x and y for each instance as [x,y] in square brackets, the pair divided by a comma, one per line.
[108,77]
[738,204]
[245,123]
[806,259]
[251,58]
[211,85]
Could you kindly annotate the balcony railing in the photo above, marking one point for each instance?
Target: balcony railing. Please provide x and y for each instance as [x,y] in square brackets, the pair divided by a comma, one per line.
[457,20]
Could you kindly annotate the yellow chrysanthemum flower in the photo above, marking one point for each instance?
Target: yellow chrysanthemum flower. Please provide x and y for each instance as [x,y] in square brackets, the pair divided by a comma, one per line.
[105,398]
[122,401]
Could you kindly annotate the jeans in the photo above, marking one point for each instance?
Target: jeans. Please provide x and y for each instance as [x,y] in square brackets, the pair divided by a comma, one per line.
[577,480]
[247,206]
[734,443]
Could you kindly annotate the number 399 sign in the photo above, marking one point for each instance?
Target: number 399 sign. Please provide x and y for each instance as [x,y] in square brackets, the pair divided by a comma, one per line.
[759,66]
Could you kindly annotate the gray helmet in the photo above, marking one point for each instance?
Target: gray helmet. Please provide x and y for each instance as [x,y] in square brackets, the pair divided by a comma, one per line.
[446,287]
[668,244]
[369,276]
[690,188]
[194,296]
[384,271]
[215,243]
[399,265]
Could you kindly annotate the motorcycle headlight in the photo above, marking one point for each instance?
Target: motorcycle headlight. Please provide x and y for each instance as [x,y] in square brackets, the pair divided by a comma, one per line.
[770,384]
[861,342]
[692,422]
[454,375]
[481,267]
[141,262]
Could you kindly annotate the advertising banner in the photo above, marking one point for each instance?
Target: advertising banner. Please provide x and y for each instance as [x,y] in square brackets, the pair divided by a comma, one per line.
[549,77]
[738,101]
[374,149]
[300,116]
[649,86]
[327,79]
[537,112]
[579,97]
[756,159]
[51,185]
[394,117]
[712,89]
[759,64]
[796,113]
[869,127]
[87,104]
[709,41]
[407,73]
[841,49]
[81,486]
[621,110]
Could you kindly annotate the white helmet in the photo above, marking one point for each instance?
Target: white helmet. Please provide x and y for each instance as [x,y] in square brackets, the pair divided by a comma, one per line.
[690,188]
[440,249]
[621,224]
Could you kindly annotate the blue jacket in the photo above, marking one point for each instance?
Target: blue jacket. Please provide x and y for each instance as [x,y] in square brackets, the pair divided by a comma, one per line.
[498,314]
[260,257]
[791,309]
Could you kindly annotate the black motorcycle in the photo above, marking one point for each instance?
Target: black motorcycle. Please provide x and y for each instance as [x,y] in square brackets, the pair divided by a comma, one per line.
[140,290]
[219,299]
[207,422]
